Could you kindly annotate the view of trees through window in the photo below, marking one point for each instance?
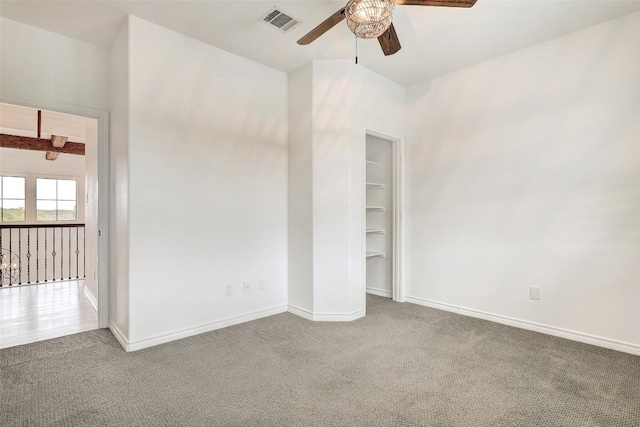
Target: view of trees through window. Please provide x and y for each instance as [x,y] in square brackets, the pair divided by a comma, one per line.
[12,198]
[56,199]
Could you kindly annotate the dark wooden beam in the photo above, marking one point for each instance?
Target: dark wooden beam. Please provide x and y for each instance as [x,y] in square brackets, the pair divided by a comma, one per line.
[37,144]
[39,122]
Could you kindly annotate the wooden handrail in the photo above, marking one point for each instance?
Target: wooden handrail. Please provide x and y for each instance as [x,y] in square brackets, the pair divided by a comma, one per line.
[40,225]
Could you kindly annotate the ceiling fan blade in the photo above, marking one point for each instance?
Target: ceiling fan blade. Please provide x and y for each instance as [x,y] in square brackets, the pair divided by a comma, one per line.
[389,41]
[445,3]
[328,24]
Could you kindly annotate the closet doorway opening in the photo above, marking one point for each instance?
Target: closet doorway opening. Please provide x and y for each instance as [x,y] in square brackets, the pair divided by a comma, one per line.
[383,233]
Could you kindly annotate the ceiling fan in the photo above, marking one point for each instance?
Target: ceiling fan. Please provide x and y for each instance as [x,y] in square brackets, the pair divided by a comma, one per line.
[368,19]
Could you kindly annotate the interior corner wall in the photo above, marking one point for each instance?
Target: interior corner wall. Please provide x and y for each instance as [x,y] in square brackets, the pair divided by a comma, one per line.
[333,104]
[348,101]
[524,171]
[378,106]
[119,185]
[40,65]
[300,203]
[207,186]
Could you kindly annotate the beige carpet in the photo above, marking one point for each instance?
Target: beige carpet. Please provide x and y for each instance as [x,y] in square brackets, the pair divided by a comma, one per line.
[402,365]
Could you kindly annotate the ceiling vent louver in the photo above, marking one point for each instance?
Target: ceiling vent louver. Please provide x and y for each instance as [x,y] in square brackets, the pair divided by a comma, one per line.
[276,18]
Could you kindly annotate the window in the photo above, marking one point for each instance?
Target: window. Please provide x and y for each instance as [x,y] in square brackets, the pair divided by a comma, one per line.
[12,198]
[56,199]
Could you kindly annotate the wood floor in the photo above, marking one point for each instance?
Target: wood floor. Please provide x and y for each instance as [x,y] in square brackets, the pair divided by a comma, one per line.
[34,313]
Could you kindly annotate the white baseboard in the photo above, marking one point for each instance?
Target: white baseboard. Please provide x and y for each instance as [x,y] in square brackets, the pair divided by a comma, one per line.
[124,342]
[531,326]
[380,293]
[325,317]
[207,327]
[92,298]
[305,314]
[337,317]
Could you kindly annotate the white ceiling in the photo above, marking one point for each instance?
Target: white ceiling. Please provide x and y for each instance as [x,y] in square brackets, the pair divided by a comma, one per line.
[435,40]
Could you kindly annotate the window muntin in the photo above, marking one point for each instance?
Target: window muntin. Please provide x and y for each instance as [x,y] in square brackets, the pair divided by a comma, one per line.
[12,198]
[56,199]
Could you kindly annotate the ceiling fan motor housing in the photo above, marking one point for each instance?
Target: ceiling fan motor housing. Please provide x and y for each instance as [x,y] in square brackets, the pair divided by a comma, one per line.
[368,19]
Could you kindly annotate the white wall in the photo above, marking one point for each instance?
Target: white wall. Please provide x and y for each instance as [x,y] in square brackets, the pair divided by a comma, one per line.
[34,163]
[119,177]
[332,140]
[41,65]
[300,200]
[525,171]
[207,186]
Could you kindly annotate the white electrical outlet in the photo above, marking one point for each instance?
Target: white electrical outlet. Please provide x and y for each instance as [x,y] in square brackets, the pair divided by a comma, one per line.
[261,285]
[534,293]
[228,289]
[247,287]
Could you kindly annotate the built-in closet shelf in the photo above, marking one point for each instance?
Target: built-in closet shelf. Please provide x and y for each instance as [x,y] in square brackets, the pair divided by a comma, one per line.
[372,163]
[374,185]
[376,208]
[375,254]
[375,230]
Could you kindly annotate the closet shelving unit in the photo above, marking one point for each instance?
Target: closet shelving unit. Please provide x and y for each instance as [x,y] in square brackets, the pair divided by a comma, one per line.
[372,254]
[380,212]
[374,186]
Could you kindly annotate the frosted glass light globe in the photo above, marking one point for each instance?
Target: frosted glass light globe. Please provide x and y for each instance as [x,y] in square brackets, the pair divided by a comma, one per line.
[368,19]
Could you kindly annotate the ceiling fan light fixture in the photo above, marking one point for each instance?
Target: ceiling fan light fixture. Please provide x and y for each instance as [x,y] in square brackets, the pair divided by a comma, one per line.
[368,19]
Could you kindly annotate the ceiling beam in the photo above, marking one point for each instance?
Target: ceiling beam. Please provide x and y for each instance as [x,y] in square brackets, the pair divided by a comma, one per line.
[38,144]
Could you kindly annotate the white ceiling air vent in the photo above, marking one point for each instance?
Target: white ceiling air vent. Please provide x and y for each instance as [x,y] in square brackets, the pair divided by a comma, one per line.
[276,18]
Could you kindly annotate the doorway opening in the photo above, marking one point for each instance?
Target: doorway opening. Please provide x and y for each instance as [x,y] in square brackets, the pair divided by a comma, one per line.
[383,217]
[48,224]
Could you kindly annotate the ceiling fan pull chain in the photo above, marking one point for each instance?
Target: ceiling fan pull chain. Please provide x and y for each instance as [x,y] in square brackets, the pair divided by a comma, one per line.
[356,50]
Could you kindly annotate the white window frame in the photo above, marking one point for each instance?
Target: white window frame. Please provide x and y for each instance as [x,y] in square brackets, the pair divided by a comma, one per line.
[77,200]
[31,198]
[26,197]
